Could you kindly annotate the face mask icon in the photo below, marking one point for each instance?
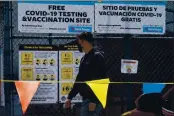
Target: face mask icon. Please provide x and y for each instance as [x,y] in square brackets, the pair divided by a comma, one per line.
[45,78]
[52,78]
[38,77]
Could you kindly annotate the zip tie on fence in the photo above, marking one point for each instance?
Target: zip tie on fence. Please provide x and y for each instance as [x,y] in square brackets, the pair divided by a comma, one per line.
[169,83]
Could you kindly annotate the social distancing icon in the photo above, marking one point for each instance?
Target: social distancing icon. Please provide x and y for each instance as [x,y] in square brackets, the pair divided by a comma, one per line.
[27,58]
[45,62]
[66,58]
[67,73]
[27,73]
[38,62]
[52,62]
[66,88]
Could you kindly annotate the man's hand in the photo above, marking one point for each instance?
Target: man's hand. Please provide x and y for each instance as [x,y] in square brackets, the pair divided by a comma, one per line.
[68,104]
[92,106]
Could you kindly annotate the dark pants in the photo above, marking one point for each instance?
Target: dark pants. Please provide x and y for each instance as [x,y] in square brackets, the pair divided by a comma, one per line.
[85,109]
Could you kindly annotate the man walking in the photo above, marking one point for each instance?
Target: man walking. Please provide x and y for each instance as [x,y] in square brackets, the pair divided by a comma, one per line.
[92,67]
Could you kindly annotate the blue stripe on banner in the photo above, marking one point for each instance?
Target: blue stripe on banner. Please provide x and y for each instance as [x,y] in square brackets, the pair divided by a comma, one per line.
[153,29]
[73,29]
[152,88]
[159,3]
[59,2]
[92,2]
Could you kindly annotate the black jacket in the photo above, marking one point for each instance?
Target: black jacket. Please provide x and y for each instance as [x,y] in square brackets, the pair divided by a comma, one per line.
[92,67]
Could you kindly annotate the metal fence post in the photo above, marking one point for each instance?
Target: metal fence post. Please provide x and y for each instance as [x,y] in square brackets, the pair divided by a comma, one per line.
[7,68]
[50,39]
[128,77]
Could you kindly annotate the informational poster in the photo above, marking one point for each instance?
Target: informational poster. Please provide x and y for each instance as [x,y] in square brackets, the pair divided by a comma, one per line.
[130,17]
[2,94]
[40,63]
[69,62]
[129,66]
[55,17]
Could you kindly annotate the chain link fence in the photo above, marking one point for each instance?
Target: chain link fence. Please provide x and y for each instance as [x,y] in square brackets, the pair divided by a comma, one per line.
[154,53]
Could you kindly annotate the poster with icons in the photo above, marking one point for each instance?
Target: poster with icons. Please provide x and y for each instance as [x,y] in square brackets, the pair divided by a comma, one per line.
[40,63]
[69,62]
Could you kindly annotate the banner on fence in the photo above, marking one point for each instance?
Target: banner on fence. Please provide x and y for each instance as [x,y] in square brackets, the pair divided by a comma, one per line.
[130,17]
[2,95]
[40,63]
[55,17]
[69,61]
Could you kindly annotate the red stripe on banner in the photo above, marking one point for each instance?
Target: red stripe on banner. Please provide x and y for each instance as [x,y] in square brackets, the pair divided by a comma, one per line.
[131,62]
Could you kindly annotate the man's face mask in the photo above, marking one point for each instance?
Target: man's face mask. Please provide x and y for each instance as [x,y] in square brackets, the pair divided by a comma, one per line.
[80,48]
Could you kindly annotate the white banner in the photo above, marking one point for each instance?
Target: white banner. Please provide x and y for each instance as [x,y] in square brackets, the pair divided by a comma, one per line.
[69,61]
[55,17]
[40,63]
[130,17]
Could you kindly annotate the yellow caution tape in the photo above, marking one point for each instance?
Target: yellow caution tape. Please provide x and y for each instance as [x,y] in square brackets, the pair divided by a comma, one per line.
[169,83]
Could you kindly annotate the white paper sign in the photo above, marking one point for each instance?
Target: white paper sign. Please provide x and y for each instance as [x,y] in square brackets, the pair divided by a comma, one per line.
[69,61]
[40,63]
[129,66]
[130,17]
[55,17]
